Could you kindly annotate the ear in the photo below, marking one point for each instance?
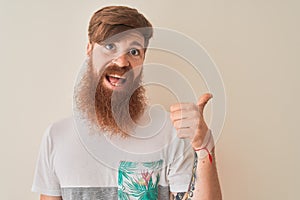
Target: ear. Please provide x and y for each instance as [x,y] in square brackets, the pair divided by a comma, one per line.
[89,49]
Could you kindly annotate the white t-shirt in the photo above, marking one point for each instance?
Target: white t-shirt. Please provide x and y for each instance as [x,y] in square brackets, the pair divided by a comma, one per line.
[77,165]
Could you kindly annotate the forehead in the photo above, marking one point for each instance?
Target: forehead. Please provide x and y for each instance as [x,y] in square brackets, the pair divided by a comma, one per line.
[130,37]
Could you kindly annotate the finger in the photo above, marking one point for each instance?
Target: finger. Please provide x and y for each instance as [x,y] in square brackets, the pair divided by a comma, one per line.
[203,101]
[185,133]
[182,106]
[184,114]
[179,114]
[186,123]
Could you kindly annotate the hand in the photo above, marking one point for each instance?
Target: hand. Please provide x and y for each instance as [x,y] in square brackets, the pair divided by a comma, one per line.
[189,122]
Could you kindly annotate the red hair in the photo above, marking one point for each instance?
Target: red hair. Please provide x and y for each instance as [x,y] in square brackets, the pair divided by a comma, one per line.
[112,20]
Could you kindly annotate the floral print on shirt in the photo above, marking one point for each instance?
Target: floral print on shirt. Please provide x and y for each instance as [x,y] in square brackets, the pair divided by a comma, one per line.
[138,180]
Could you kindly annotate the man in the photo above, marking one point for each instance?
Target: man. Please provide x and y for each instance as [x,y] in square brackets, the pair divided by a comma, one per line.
[107,150]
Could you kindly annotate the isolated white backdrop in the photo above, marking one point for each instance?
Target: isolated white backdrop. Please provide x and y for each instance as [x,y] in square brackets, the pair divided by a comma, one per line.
[255,44]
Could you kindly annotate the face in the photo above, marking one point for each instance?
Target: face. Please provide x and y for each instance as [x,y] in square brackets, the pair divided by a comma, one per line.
[119,59]
[112,84]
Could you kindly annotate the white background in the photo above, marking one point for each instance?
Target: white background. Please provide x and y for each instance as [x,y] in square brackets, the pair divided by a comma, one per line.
[255,44]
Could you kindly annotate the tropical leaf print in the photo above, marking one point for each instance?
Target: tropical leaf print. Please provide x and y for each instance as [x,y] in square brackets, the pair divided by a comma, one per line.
[153,165]
[143,191]
[123,195]
[125,169]
[139,180]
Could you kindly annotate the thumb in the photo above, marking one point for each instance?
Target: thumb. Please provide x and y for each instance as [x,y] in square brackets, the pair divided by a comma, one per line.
[203,101]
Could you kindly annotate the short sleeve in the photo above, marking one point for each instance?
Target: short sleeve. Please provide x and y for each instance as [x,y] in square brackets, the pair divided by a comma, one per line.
[45,180]
[180,169]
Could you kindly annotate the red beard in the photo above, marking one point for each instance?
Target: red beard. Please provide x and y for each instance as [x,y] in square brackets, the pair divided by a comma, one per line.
[110,111]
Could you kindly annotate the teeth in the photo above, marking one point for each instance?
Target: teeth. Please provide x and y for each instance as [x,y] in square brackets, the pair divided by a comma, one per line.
[116,76]
[118,83]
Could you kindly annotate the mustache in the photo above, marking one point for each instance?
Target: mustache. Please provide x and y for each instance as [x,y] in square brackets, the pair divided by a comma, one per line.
[117,70]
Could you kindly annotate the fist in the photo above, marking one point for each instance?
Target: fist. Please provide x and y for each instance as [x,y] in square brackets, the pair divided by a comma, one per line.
[188,120]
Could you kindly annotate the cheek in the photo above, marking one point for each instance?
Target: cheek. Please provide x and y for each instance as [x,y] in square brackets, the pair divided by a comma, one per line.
[137,68]
[99,61]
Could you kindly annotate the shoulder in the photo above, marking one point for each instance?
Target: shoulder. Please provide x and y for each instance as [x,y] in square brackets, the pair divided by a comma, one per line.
[60,129]
[62,125]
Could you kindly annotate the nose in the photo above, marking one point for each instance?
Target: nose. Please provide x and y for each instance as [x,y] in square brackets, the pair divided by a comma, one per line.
[121,61]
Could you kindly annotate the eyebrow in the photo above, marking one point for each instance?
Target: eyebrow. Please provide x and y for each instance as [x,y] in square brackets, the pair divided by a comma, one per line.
[137,44]
[133,43]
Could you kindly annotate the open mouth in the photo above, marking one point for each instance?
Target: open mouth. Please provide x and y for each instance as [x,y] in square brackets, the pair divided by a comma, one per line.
[115,80]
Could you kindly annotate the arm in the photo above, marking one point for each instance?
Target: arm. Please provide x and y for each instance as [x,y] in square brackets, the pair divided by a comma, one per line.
[44,197]
[207,185]
[189,122]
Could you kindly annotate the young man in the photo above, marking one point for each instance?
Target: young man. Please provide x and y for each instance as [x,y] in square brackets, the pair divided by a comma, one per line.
[116,156]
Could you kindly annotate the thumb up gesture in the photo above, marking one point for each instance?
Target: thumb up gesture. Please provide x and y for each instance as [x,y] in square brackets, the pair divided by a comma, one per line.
[189,122]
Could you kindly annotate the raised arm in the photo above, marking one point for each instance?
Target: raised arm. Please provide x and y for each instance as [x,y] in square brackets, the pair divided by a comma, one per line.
[189,122]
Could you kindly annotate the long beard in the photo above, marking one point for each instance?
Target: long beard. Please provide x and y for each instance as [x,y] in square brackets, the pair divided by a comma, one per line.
[113,112]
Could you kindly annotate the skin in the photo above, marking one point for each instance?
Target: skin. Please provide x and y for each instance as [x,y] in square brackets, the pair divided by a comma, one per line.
[44,197]
[187,118]
[126,51]
[189,122]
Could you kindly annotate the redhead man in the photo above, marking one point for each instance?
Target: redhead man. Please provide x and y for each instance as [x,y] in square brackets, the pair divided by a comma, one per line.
[177,162]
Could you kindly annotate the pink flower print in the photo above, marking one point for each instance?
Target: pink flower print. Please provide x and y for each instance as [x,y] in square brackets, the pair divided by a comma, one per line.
[146,176]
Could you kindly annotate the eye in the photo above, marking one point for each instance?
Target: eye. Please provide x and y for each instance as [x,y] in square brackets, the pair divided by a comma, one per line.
[110,46]
[134,52]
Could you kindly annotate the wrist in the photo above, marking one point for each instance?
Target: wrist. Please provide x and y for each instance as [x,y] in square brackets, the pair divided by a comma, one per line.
[207,147]
[201,136]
